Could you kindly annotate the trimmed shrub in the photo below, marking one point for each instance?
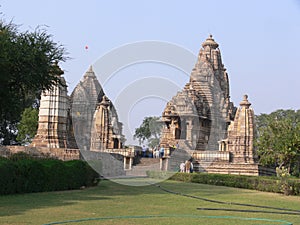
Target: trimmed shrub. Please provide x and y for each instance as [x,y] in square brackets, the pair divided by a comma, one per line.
[267,184]
[7,177]
[24,174]
[30,176]
[56,174]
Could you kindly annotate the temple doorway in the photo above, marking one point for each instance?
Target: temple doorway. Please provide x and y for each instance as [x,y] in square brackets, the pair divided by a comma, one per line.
[116,143]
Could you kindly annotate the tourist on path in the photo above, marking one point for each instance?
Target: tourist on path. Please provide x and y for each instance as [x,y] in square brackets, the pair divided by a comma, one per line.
[187,166]
[156,152]
[192,167]
[182,167]
[161,152]
[144,149]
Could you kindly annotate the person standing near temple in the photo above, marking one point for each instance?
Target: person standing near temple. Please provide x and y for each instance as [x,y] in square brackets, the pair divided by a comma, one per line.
[191,167]
[161,152]
[187,166]
[144,149]
[182,167]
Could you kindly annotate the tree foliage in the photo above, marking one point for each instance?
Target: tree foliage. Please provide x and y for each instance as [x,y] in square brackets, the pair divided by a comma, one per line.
[28,65]
[28,125]
[278,140]
[149,130]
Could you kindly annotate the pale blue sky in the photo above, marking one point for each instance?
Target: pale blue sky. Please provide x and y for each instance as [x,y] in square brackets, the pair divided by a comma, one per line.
[258,39]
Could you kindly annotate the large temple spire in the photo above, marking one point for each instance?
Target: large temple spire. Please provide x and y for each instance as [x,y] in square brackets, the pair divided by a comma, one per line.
[208,94]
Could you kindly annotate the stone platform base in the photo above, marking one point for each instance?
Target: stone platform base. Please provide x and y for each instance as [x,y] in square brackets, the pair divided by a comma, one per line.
[253,169]
[59,153]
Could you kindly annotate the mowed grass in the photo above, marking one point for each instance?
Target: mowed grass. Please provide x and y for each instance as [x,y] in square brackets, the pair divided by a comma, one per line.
[113,203]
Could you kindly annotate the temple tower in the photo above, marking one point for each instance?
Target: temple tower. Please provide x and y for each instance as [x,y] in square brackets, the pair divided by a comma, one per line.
[101,126]
[84,99]
[53,114]
[202,111]
[106,130]
[241,134]
[210,78]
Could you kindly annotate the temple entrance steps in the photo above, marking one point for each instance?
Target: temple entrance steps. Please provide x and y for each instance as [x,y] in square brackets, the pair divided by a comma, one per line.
[200,166]
[144,165]
[178,156]
[185,145]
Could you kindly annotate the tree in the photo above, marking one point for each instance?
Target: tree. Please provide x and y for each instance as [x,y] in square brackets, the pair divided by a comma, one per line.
[149,130]
[278,140]
[28,125]
[28,65]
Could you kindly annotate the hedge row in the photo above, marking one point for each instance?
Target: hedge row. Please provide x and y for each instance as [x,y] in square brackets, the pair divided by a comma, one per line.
[25,175]
[267,184]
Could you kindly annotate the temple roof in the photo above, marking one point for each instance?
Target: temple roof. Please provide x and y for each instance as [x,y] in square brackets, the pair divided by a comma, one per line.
[90,86]
[90,73]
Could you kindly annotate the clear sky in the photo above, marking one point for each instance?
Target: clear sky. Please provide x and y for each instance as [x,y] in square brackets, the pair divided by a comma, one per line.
[258,39]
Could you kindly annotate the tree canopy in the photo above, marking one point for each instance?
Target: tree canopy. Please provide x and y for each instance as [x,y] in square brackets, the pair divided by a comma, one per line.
[28,65]
[278,140]
[28,125]
[149,130]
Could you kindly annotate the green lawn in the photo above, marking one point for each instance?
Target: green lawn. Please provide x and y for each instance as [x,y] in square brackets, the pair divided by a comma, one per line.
[112,203]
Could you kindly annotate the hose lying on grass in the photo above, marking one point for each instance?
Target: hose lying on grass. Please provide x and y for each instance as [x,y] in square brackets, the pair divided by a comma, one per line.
[283,210]
[280,211]
[165,216]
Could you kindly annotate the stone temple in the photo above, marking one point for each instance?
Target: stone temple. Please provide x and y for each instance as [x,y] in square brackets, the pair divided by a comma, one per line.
[201,120]
[86,120]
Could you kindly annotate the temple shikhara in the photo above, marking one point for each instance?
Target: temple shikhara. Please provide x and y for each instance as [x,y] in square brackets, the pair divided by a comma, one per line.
[200,114]
[200,120]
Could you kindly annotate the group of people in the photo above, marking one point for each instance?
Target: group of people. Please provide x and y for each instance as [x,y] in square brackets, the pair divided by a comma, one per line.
[156,152]
[186,167]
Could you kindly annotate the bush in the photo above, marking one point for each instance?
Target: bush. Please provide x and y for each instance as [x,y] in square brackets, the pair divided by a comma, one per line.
[7,177]
[24,174]
[56,174]
[267,184]
[30,176]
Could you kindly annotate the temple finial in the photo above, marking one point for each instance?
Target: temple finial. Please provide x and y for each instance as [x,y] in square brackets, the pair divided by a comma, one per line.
[210,42]
[245,102]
